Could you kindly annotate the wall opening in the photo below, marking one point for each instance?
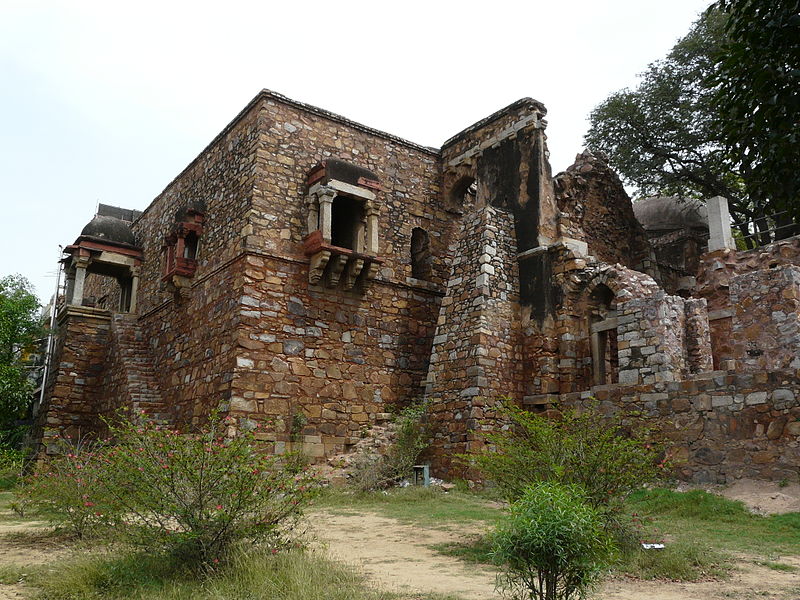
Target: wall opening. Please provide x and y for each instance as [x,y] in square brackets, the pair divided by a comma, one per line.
[190,246]
[603,335]
[421,259]
[347,215]
[464,193]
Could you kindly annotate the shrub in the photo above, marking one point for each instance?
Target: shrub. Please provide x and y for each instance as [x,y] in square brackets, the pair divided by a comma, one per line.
[11,464]
[552,544]
[194,495]
[412,437]
[65,490]
[607,458]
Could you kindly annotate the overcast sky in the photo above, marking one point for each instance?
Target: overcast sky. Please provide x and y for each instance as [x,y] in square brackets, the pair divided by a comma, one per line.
[108,101]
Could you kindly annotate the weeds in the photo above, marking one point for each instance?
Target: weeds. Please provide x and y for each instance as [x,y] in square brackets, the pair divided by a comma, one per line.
[379,471]
[292,575]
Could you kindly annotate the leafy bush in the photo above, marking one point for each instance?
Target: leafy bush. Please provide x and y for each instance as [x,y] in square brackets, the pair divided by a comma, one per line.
[11,464]
[65,490]
[193,496]
[188,496]
[412,437]
[552,544]
[605,456]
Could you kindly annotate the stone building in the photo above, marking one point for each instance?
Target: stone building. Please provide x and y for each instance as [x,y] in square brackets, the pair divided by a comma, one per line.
[309,273]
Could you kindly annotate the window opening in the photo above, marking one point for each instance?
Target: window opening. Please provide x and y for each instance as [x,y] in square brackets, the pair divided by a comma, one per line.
[420,254]
[190,246]
[347,215]
[603,334]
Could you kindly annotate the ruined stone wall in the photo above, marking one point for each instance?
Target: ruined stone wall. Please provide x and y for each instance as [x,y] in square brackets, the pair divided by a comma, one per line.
[506,155]
[722,425]
[765,328]
[716,277]
[596,209]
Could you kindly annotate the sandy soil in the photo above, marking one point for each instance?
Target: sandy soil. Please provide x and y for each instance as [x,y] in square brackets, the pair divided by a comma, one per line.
[24,544]
[396,556]
[762,497]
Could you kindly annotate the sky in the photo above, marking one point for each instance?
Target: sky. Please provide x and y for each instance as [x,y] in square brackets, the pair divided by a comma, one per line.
[108,101]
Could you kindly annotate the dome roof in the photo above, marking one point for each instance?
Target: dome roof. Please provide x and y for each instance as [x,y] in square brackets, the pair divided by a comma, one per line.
[669,213]
[109,229]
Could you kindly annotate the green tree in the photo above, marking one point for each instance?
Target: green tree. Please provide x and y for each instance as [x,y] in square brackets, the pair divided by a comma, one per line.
[758,95]
[666,136]
[19,332]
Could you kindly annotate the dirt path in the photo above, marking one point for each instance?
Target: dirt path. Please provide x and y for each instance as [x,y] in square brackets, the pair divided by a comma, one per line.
[24,544]
[397,557]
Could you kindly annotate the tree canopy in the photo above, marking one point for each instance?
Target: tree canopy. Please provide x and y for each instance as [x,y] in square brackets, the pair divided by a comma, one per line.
[19,331]
[666,137]
[757,79]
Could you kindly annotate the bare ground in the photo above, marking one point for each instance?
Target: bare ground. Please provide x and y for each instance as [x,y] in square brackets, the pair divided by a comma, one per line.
[397,556]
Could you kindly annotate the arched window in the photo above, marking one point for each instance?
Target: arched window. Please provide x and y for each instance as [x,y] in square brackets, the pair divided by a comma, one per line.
[420,254]
[464,193]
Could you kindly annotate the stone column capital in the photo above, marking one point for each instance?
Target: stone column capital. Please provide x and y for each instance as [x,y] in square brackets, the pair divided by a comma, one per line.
[326,193]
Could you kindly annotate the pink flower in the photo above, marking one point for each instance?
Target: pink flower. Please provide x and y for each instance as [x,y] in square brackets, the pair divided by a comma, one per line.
[88,503]
[219,506]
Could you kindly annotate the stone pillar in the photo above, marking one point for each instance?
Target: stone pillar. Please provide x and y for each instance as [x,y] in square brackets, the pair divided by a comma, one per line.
[70,284]
[719,225]
[312,206]
[134,288]
[652,339]
[325,195]
[80,277]
[372,229]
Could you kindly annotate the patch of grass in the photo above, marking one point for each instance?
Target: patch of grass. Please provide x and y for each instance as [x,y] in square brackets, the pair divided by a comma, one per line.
[253,575]
[714,521]
[428,507]
[679,561]
[477,550]
[777,566]
[10,574]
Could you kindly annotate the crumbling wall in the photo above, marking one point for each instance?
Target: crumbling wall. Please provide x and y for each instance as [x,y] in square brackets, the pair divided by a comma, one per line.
[476,356]
[735,332]
[721,426]
[595,209]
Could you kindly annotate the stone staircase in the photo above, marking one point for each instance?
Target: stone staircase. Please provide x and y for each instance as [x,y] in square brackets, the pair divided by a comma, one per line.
[136,368]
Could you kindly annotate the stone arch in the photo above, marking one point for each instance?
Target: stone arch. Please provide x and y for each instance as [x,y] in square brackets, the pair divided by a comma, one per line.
[625,283]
